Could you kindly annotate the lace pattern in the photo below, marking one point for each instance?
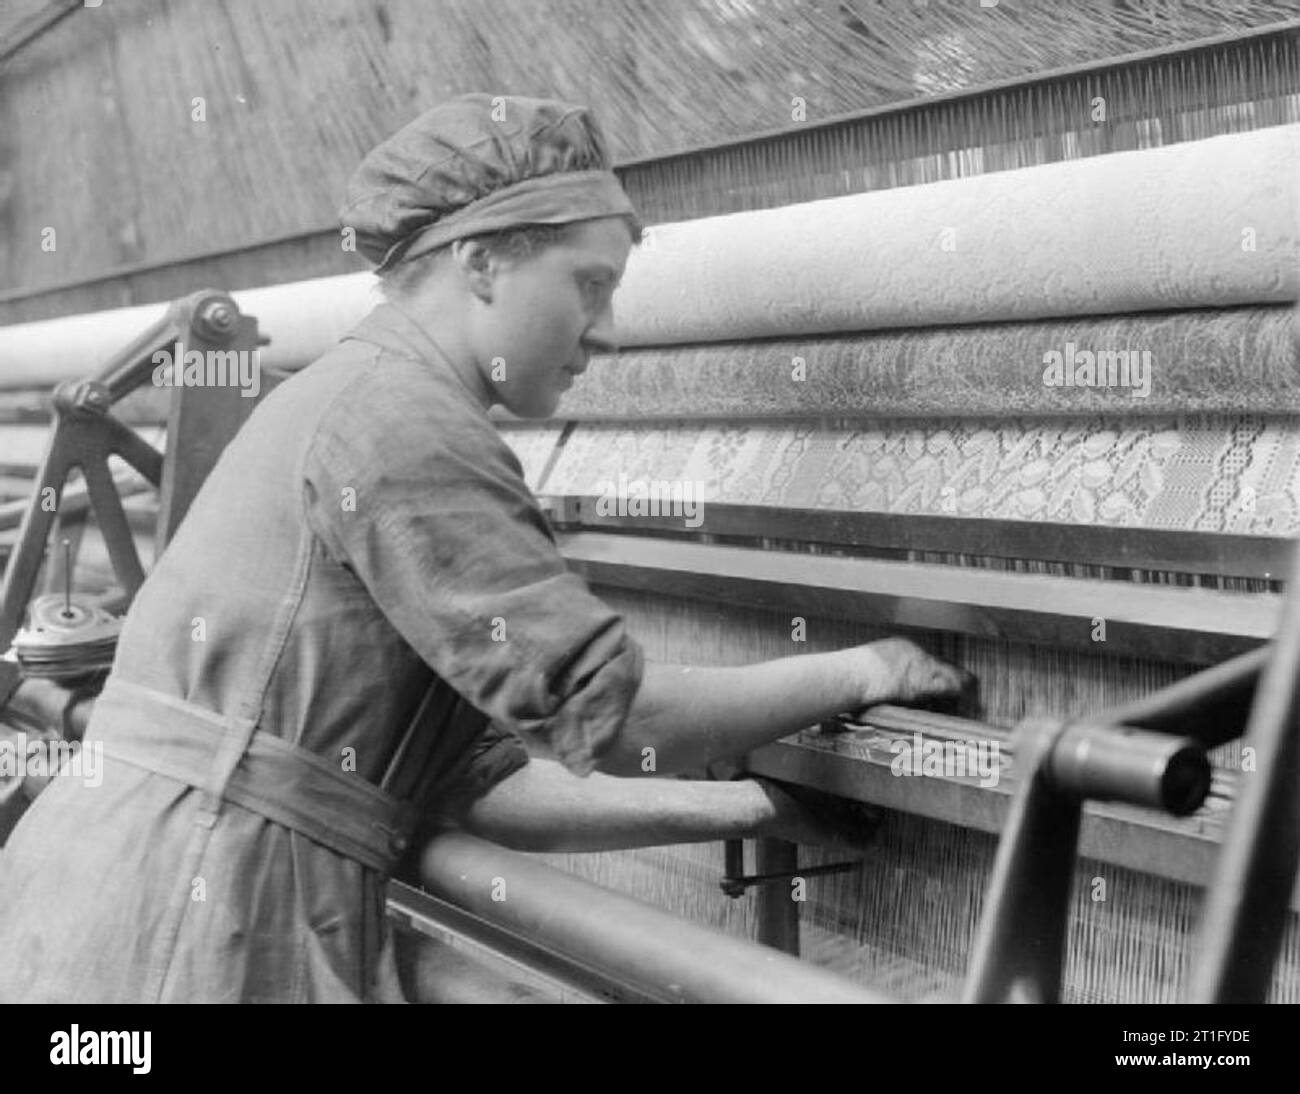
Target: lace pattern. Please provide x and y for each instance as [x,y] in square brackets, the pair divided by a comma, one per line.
[1220,474]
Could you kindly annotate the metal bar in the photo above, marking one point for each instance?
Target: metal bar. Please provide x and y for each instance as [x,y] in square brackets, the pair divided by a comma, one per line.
[778,911]
[136,451]
[622,938]
[73,502]
[61,562]
[1118,763]
[1193,626]
[733,866]
[113,525]
[133,363]
[1241,930]
[206,317]
[1153,549]
[436,918]
[207,418]
[1211,707]
[25,562]
[1019,950]
[1177,849]
[932,723]
[746,881]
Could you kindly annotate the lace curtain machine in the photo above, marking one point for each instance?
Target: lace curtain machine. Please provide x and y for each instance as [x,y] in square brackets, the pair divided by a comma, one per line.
[1031,403]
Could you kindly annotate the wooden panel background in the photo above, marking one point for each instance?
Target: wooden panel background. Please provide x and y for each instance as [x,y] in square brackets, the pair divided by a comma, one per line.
[97,140]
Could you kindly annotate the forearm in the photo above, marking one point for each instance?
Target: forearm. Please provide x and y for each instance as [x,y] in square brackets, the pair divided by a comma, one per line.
[691,716]
[543,807]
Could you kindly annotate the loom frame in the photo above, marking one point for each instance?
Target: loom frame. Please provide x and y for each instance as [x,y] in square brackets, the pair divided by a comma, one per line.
[85,434]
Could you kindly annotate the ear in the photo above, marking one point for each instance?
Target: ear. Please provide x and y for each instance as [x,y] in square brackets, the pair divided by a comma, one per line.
[477,266]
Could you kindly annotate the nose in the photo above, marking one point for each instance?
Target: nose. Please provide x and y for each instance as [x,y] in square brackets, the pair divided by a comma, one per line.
[599,337]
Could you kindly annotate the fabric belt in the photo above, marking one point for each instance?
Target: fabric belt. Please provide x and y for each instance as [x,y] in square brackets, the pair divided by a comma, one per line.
[274,778]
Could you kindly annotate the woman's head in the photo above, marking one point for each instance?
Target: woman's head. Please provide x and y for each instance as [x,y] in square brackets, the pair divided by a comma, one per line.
[529,306]
[499,220]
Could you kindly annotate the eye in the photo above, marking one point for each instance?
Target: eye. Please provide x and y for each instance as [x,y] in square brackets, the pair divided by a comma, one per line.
[596,291]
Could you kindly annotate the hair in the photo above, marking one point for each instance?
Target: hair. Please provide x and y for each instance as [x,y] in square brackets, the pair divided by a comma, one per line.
[515,244]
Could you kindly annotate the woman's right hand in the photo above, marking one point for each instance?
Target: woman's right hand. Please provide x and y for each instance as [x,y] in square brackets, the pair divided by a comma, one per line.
[897,670]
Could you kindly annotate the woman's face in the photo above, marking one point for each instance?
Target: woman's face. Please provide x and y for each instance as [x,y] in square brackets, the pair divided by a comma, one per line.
[548,313]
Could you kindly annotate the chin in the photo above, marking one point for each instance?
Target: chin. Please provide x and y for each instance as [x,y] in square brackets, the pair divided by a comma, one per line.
[537,411]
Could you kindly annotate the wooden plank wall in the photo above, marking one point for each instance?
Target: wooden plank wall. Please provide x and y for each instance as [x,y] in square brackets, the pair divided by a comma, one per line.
[98,140]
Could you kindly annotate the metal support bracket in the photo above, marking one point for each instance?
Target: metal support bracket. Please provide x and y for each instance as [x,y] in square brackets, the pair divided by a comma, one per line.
[83,438]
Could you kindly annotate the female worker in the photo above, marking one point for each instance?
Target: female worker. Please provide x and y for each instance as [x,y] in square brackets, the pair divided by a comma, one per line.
[364,616]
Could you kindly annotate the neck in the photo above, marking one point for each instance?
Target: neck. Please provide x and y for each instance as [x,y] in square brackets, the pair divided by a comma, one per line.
[429,312]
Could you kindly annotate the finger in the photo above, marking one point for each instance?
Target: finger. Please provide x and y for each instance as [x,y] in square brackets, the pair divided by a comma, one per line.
[940,681]
[952,678]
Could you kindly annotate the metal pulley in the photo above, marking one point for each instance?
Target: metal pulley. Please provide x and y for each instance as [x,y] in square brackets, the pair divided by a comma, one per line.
[66,638]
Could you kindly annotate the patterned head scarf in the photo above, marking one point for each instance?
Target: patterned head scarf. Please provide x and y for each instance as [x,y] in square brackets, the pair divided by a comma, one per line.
[477,164]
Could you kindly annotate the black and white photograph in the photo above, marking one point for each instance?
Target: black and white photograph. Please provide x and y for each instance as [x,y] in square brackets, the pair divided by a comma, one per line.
[651,501]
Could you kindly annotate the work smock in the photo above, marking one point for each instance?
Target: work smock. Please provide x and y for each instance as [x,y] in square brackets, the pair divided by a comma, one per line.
[365,557]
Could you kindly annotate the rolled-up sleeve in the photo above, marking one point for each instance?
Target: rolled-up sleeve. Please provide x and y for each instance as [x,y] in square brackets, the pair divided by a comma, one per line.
[414,490]
[471,755]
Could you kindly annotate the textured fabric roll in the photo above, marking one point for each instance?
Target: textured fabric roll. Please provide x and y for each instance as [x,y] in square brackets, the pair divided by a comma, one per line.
[1201,224]
[302,319]
[1239,360]
[1209,223]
